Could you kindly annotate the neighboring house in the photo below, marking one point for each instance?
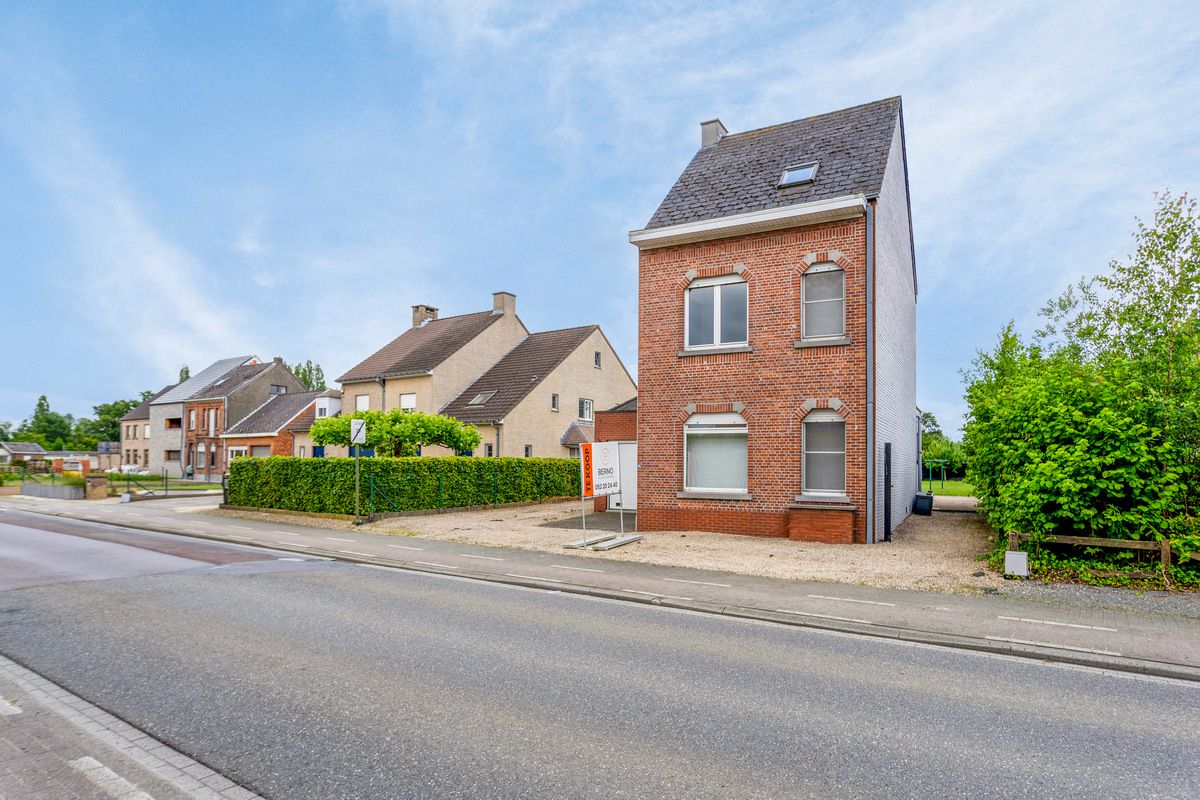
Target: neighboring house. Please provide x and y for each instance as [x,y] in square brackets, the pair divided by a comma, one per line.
[777,306]
[433,361]
[539,399]
[136,433]
[24,451]
[619,424]
[230,397]
[167,414]
[265,430]
[327,404]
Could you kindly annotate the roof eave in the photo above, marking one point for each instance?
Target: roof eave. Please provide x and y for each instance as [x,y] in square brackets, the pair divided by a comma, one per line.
[769,219]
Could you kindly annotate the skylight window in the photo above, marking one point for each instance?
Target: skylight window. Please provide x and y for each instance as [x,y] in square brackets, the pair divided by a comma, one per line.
[801,173]
[481,398]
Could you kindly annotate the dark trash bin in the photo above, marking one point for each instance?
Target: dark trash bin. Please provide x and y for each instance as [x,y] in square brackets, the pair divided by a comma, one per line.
[923,503]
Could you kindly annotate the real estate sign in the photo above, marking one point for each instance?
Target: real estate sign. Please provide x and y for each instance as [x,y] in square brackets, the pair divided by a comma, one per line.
[600,468]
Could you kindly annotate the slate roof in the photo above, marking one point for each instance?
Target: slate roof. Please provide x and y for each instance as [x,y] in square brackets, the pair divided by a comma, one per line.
[741,172]
[515,376]
[305,421]
[422,348]
[142,410]
[24,448]
[203,378]
[579,433]
[269,418]
[225,385]
[628,405]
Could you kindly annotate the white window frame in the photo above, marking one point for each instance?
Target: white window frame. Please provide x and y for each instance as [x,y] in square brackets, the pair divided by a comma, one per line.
[821,416]
[818,269]
[783,177]
[236,452]
[408,401]
[730,423]
[146,431]
[554,402]
[596,359]
[192,419]
[488,450]
[701,283]
[322,412]
[362,402]
[590,408]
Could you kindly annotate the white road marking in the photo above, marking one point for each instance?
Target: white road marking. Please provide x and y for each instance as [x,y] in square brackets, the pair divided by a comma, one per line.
[356,553]
[532,577]
[578,569]
[240,538]
[432,564]
[405,547]
[8,708]
[851,600]
[698,583]
[110,782]
[286,533]
[485,558]
[658,594]
[193,530]
[824,616]
[1055,646]
[336,539]
[242,527]
[944,608]
[296,544]
[1059,624]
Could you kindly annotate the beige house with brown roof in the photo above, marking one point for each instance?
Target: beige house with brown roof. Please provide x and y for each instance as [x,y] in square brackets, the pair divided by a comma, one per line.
[429,364]
[540,398]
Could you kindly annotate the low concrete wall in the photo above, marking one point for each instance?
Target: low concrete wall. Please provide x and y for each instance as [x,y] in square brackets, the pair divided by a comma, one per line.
[52,491]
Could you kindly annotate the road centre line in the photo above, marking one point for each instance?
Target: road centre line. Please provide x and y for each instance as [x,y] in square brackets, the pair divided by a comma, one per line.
[698,583]
[578,569]
[286,533]
[432,564]
[658,594]
[240,538]
[242,527]
[1059,624]
[1055,646]
[851,600]
[356,553]
[193,530]
[405,547]
[336,539]
[485,558]
[823,616]
[532,577]
[296,544]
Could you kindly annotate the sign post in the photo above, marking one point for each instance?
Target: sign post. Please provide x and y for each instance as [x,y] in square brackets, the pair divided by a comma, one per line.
[358,436]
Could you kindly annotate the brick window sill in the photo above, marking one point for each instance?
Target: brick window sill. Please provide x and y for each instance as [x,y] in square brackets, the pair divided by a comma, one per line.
[716,351]
[802,344]
[714,495]
[826,502]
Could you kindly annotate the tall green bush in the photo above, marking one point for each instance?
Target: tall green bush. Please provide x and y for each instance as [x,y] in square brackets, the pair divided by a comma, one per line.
[326,485]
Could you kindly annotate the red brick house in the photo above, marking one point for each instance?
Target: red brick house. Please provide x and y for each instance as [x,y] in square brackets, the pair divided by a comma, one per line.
[268,429]
[777,308]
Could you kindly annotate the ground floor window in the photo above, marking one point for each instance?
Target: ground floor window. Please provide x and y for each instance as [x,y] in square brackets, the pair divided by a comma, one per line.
[824,453]
[237,452]
[260,450]
[487,450]
[528,451]
[715,453]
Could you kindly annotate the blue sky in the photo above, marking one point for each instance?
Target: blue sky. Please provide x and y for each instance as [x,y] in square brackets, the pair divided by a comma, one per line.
[184,182]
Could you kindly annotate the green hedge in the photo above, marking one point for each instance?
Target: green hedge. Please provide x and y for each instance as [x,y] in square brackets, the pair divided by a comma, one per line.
[326,485]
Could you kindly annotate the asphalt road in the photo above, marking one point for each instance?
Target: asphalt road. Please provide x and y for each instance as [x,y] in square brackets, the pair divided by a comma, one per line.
[325,680]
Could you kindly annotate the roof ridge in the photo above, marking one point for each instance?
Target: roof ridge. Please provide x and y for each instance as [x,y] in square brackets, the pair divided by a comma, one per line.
[806,119]
[592,326]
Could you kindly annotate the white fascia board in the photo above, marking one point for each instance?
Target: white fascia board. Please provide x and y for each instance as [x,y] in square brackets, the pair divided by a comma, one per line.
[751,222]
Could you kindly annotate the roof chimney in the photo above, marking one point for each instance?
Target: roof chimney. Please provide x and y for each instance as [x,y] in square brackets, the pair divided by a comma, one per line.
[422,314]
[504,303]
[278,360]
[711,132]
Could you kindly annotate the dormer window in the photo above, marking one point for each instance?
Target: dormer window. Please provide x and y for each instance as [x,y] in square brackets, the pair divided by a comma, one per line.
[799,174]
[481,398]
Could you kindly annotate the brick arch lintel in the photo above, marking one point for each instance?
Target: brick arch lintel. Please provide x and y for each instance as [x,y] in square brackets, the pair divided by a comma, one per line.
[828,403]
[734,407]
[824,257]
[737,268]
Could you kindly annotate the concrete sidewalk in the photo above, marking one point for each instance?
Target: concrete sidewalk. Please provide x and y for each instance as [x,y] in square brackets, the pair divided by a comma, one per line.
[1166,645]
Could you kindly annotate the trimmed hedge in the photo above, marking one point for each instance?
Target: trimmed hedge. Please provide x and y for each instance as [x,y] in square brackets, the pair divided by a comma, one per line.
[326,485]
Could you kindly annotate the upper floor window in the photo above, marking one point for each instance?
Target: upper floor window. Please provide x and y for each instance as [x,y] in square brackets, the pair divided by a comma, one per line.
[277,389]
[362,402]
[322,411]
[596,359]
[585,409]
[799,174]
[823,301]
[824,453]
[715,313]
[554,402]
[408,402]
[192,420]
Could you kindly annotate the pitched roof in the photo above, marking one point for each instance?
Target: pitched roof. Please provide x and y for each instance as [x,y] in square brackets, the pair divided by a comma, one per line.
[142,409]
[420,349]
[628,405]
[273,415]
[24,448]
[515,376]
[741,172]
[579,433]
[230,382]
[201,379]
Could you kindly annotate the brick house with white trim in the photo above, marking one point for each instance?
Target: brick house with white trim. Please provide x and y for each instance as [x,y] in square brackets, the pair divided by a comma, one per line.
[777,328]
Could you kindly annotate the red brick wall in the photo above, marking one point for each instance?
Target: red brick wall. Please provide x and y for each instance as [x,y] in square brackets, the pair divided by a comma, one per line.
[280,444]
[831,526]
[771,383]
[199,434]
[614,426]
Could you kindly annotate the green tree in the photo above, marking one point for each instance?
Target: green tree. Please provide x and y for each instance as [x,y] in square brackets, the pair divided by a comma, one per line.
[184,373]
[310,374]
[45,426]
[929,424]
[398,433]
[106,427]
[6,432]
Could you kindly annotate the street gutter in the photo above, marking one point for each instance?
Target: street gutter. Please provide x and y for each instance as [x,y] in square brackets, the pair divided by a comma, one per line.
[1159,669]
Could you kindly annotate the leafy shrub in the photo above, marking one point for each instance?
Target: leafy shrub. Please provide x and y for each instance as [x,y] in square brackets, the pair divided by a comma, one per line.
[326,485]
